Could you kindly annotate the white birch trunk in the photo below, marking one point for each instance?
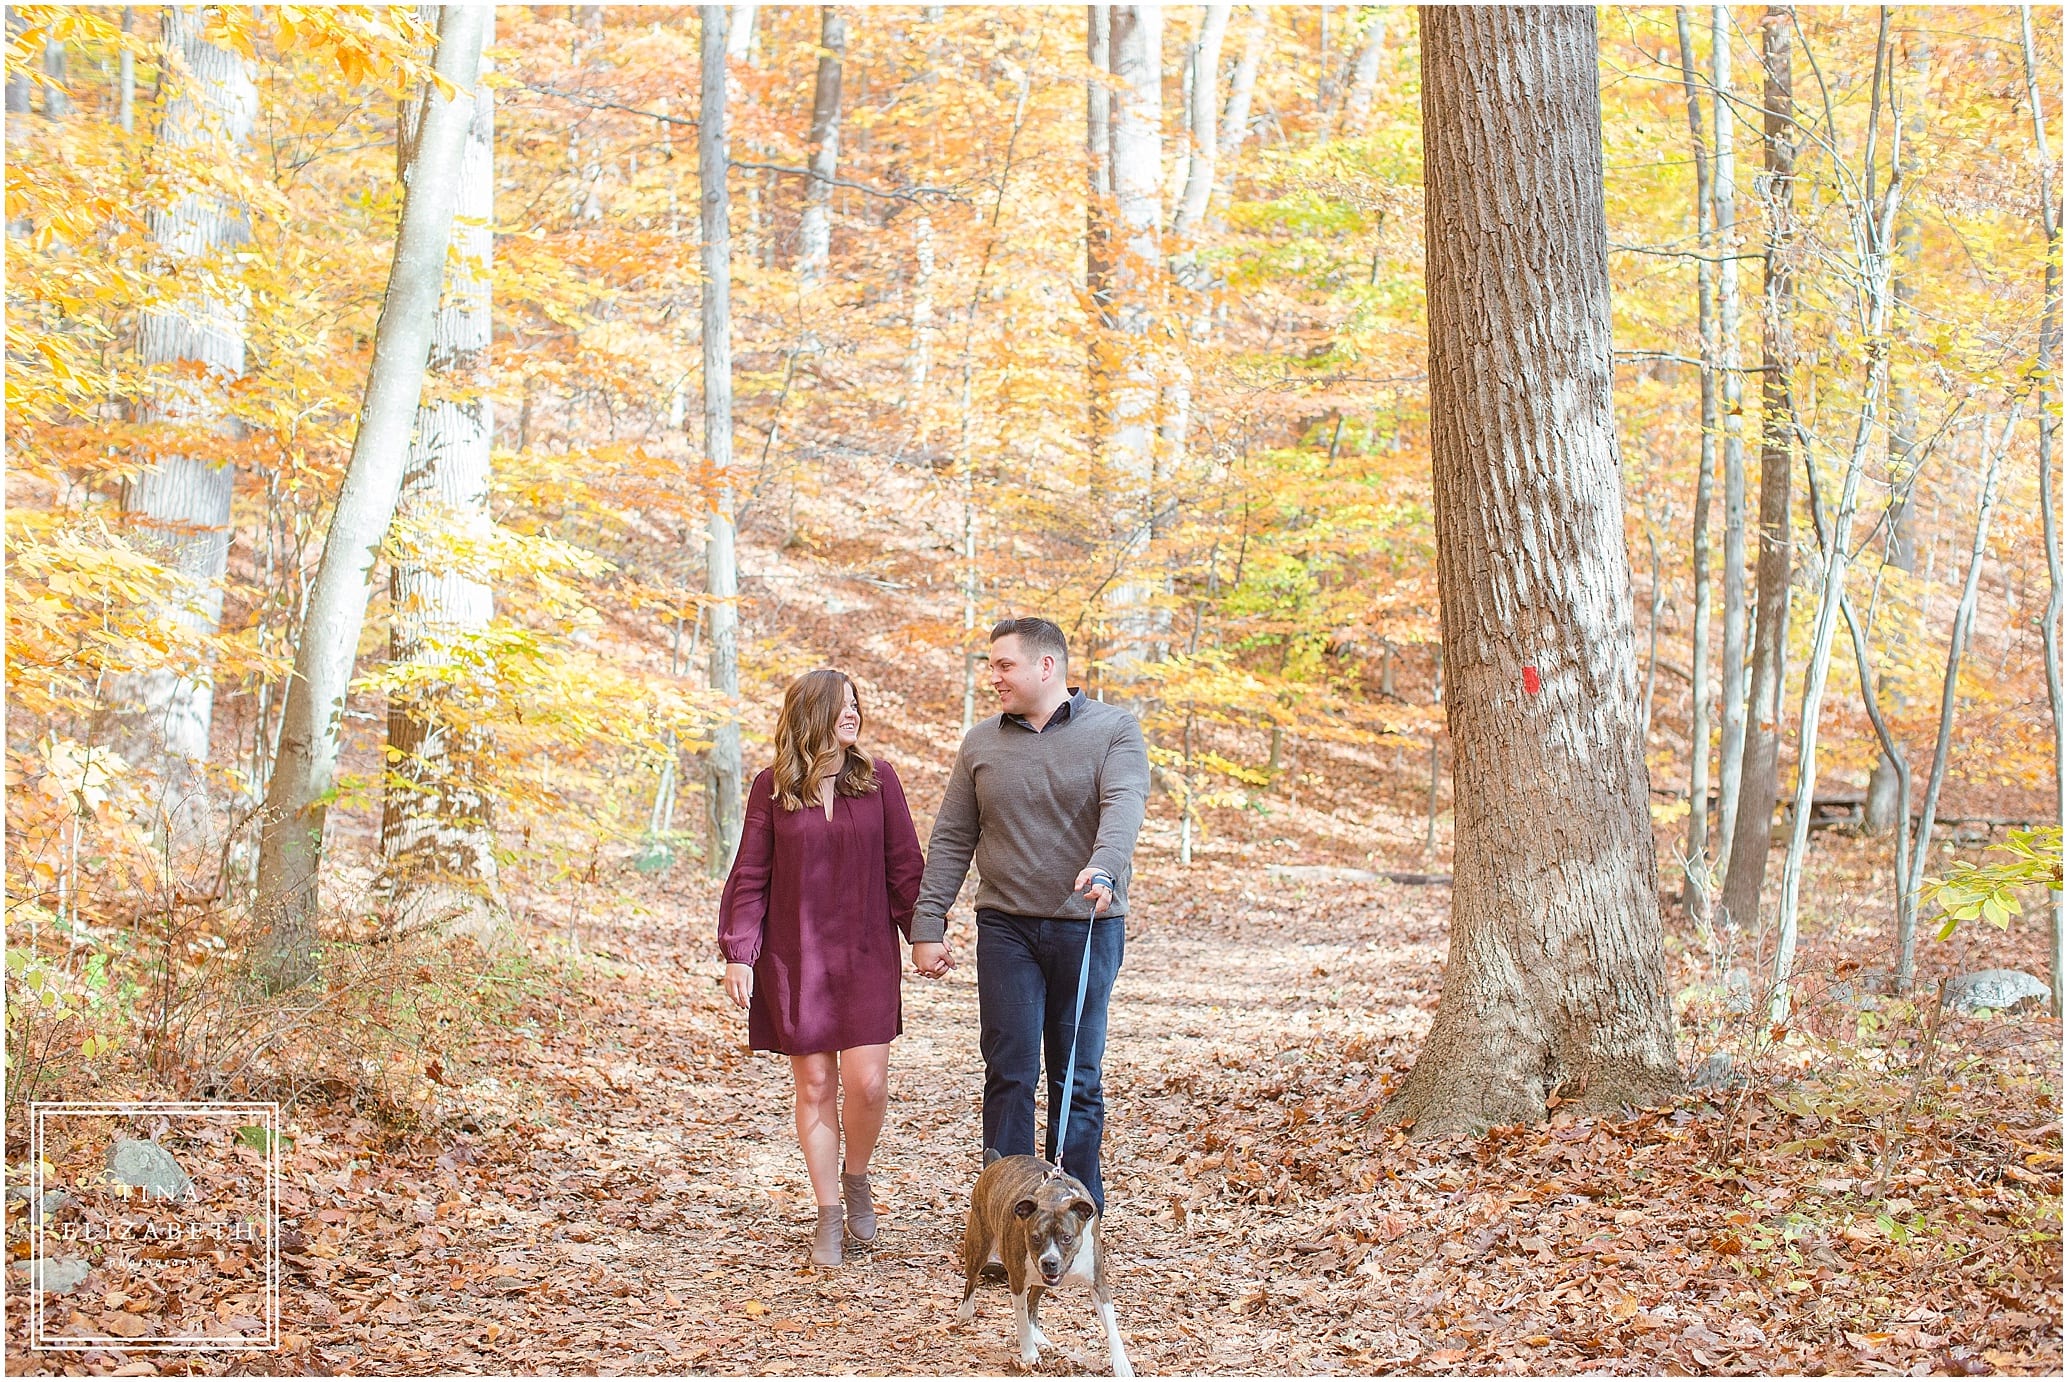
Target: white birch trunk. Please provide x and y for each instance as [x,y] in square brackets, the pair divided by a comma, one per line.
[291,847]
[1364,75]
[125,80]
[919,364]
[1556,977]
[1202,117]
[1696,892]
[179,506]
[1949,693]
[815,230]
[1871,228]
[2049,517]
[726,801]
[1098,246]
[1731,387]
[1137,140]
[1242,85]
[436,829]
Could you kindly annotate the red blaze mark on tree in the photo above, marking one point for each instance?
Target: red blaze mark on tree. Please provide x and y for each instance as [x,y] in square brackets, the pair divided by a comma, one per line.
[1531,682]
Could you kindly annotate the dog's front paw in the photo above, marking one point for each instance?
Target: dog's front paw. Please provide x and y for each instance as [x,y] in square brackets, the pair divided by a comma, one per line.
[1030,1357]
[1122,1368]
[967,1311]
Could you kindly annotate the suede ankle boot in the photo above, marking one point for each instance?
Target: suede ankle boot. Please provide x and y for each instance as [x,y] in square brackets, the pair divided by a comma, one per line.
[861,1208]
[825,1242]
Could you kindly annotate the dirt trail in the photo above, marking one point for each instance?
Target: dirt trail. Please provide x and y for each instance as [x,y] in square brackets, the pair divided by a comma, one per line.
[726,1286]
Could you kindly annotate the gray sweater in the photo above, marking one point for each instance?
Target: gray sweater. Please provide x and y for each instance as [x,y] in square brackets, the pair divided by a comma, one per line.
[1033,810]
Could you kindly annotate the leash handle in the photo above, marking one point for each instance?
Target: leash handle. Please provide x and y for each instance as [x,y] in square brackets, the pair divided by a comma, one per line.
[1062,1124]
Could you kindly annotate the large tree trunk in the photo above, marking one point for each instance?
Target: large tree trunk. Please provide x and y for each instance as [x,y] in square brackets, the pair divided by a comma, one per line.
[726,802]
[1872,217]
[297,800]
[815,230]
[1556,976]
[1696,890]
[1730,749]
[1132,362]
[2049,518]
[1758,787]
[191,350]
[435,828]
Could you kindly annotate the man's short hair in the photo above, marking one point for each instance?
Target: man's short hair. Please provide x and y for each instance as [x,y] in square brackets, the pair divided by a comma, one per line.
[1037,636]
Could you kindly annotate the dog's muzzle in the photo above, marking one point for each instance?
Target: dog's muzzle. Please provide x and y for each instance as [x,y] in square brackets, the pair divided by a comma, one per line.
[1051,1269]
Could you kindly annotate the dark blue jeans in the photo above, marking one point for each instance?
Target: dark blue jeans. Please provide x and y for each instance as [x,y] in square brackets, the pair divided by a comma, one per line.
[1026,998]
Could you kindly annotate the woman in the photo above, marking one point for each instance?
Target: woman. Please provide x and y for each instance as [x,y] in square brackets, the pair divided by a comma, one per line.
[827,871]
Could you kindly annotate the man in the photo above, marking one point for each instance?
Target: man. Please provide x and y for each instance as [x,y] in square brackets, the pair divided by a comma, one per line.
[1052,789]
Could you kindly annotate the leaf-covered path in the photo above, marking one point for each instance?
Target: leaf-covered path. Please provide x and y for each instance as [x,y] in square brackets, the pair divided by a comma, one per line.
[605,1181]
[636,1202]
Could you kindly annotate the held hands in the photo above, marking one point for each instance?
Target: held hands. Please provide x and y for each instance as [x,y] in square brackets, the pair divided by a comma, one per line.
[1100,890]
[739,983]
[931,958]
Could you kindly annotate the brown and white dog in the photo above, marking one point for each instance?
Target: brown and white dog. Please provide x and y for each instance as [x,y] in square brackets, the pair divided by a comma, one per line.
[1040,1223]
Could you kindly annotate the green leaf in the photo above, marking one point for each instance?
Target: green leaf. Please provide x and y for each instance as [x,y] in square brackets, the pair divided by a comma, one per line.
[255,1136]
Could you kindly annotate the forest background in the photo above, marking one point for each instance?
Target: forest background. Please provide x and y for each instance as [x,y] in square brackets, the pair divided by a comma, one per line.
[1173,396]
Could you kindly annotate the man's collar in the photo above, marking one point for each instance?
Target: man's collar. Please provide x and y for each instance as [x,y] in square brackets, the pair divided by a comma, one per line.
[1063,712]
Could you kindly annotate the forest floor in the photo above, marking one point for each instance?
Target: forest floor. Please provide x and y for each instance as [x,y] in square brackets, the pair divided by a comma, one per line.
[606,1181]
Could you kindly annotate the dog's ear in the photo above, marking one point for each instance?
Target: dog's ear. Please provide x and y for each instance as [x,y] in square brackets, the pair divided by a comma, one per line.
[1084,1209]
[1024,1209]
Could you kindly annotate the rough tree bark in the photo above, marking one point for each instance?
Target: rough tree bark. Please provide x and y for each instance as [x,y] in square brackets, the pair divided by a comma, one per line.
[1758,787]
[297,800]
[1730,381]
[1696,891]
[2050,523]
[192,350]
[725,801]
[435,824]
[1131,364]
[815,230]
[1556,975]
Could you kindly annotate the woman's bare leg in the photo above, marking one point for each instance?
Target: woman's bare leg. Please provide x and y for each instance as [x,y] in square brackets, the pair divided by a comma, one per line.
[864,1085]
[818,1122]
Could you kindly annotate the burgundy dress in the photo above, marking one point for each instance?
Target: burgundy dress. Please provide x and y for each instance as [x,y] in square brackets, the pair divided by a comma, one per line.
[816,905]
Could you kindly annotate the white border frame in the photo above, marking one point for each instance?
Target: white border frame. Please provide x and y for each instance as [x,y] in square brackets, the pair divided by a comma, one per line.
[268,1115]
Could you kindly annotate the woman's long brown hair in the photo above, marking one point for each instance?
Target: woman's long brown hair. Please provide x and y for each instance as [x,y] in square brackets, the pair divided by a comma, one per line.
[806,749]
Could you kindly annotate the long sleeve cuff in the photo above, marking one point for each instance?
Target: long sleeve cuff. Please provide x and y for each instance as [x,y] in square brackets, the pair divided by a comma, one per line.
[926,928]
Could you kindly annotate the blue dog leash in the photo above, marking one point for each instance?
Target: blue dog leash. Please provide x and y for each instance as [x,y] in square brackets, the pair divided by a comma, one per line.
[1062,1124]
